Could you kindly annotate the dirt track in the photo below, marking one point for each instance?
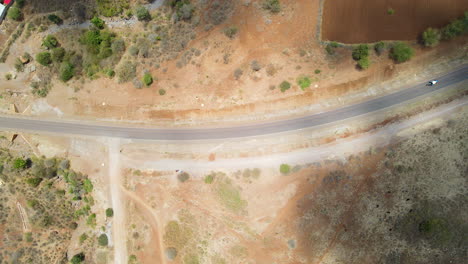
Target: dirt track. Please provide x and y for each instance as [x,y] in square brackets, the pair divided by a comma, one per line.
[362,21]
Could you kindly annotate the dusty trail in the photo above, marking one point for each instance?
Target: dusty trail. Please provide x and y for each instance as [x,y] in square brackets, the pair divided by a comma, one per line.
[115,181]
[150,212]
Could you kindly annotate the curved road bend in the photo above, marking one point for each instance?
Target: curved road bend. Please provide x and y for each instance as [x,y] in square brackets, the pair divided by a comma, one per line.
[90,129]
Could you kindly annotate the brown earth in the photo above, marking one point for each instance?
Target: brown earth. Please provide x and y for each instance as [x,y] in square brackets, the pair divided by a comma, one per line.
[365,209]
[363,21]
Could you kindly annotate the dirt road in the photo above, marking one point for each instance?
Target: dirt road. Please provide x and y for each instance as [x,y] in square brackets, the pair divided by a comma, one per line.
[115,181]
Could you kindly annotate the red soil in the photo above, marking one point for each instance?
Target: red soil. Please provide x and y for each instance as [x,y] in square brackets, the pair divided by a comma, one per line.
[360,21]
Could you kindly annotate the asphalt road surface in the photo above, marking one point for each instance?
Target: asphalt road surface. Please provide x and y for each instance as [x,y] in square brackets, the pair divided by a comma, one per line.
[93,129]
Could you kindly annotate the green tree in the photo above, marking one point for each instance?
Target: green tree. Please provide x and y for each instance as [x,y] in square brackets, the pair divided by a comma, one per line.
[78,258]
[379,47]
[142,14]
[284,86]
[97,22]
[147,79]
[50,42]
[20,164]
[103,240]
[66,71]
[109,212]
[364,63]
[285,168]
[401,52]
[55,19]
[304,82]
[455,28]
[431,37]
[44,58]
[57,54]
[15,13]
[360,51]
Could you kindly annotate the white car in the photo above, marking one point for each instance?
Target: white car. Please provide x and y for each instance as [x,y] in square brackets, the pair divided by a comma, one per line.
[433,82]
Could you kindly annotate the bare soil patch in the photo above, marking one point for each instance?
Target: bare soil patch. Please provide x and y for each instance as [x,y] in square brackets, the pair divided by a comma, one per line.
[369,21]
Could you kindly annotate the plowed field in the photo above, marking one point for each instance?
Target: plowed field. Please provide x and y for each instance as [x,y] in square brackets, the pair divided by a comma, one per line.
[361,21]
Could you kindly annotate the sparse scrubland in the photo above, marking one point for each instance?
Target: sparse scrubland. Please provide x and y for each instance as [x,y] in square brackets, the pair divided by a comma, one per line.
[42,202]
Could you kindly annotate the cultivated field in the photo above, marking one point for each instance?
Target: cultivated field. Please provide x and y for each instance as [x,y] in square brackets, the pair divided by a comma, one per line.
[361,21]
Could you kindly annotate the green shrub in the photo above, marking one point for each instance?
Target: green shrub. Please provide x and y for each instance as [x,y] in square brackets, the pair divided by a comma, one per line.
[390,11]
[19,3]
[142,14]
[91,220]
[330,49]
[97,22]
[162,92]
[77,259]
[304,82]
[183,176]
[66,71]
[285,85]
[209,179]
[87,186]
[20,164]
[110,73]
[431,37]
[285,168]
[455,28]
[273,6]
[57,54]
[364,63]
[230,31]
[317,71]
[360,51]
[28,237]
[15,13]
[109,212]
[8,76]
[401,52]
[83,238]
[50,42]
[55,19]
[379,47]
[118,46]
[103,240]
[147,79]
[126,71]
[34,182]
[32,203]
[98,42]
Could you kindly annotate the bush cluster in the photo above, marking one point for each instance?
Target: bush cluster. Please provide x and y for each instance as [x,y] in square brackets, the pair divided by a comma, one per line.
[273,6]
[142,14]
[147,79]
[456,27]
[361,55]
[55,19]
[401,52]
[284,86]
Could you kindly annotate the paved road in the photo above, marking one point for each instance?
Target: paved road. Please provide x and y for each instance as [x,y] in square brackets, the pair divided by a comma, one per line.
[92,129]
